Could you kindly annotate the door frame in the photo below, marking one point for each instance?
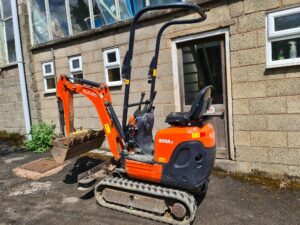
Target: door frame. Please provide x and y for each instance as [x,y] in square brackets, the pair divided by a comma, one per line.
[176,77]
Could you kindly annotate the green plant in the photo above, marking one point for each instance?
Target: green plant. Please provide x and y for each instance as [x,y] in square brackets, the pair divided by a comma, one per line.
[41,136]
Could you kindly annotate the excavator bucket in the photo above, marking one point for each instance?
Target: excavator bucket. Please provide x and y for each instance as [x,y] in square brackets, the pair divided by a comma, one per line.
[76,144]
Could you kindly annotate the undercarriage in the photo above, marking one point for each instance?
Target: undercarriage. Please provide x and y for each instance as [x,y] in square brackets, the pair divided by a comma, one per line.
[146,200]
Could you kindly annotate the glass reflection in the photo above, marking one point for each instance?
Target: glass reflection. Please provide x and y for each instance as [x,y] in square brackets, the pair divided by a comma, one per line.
[79,10]
[58,17]
[10,41]
[6,8]
[39,21]
[287,22]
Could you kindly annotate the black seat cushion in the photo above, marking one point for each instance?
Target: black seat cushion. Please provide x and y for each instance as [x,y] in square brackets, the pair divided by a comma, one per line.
[200,105]
[178,118]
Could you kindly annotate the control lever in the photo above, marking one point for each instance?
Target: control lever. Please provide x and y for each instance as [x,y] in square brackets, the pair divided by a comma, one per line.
[150,105]
[141,100]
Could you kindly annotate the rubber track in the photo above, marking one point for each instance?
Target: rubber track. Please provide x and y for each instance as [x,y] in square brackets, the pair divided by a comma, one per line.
[154,190]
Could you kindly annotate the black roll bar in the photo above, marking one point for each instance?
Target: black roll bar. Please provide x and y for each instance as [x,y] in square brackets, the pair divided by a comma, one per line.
[126,68]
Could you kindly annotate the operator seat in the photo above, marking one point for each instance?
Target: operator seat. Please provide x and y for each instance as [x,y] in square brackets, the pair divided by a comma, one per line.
[200,105]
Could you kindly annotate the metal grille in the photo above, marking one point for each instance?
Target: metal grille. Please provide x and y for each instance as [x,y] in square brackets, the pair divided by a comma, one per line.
[41,165]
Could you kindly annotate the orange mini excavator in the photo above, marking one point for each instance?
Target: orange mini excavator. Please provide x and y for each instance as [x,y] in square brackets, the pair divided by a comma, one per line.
[162,178]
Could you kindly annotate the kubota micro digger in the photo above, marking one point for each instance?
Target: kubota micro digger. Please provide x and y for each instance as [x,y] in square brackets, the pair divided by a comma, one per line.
[162,178]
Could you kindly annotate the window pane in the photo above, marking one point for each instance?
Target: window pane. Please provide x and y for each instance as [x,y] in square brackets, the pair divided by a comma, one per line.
[6,8]
[75,64]
[124,11]
[202,66]
[2,48]
[287,22]
[286,49]
[10,41]
[50,83]
[114,75]
[99,21]
[78,75]
[111,57]
[80,15]
[48,69]
[58,15]
[39,21]
[108,10]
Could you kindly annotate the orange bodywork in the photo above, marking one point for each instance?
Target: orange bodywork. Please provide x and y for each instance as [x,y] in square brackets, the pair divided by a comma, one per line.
[100,97]
[144,171]
[168,139]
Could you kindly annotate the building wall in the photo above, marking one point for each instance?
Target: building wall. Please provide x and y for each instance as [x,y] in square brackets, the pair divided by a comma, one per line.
[11,110]
[266,103]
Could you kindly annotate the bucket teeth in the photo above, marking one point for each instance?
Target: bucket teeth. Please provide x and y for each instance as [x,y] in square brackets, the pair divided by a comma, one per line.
[76,144]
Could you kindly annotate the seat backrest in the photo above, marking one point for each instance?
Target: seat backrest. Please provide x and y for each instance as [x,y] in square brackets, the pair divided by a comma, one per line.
[201,103]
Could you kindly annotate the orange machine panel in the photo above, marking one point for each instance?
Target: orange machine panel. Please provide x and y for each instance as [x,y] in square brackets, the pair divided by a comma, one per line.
[166,140]
[143,171]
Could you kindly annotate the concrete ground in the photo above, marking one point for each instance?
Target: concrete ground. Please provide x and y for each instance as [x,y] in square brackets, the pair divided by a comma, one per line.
[54,200]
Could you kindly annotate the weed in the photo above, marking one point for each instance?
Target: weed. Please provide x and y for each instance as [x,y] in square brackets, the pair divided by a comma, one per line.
[41,136]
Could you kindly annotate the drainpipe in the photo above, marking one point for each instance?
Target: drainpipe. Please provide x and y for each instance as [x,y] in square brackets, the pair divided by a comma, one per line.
[21,68]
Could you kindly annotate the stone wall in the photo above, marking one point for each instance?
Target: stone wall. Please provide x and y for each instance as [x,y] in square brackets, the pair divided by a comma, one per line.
[11,110]
[266,102]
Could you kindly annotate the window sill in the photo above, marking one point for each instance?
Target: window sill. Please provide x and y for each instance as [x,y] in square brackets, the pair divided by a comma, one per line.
[50,93]
[8,66]
[114,84]
[282,65]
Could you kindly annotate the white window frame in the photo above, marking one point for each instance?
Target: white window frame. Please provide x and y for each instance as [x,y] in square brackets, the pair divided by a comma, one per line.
[48,75]
[6,60]
[273,36]
[112,65]
[75,70]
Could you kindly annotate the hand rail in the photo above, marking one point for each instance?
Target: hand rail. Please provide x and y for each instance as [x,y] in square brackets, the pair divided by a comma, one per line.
[126,68]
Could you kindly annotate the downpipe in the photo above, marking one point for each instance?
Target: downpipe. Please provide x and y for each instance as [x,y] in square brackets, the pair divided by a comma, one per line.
[20,62]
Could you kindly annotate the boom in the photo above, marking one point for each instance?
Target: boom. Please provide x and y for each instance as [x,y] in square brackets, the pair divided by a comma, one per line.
[100,96]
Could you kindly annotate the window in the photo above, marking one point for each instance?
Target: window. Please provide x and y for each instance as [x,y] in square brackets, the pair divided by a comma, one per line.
[75,64]
[53,19]
[283,42]
[112,67]
[7,40]
[49,77]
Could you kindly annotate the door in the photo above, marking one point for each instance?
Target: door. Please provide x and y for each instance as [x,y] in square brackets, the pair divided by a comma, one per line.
[201,63]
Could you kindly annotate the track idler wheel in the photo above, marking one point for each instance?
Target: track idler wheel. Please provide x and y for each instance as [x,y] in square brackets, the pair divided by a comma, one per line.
[178,211]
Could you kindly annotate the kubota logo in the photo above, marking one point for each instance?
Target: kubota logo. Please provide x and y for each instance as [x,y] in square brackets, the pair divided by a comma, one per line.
[90,93]
[165,141]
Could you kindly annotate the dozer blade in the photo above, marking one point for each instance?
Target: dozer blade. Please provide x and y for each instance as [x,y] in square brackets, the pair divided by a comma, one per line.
[75,145]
